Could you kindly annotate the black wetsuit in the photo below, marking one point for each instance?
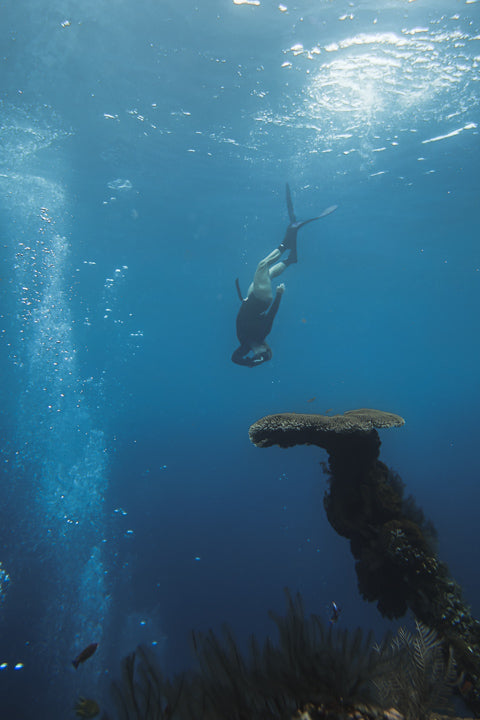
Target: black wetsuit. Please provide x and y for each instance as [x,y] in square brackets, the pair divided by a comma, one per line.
[254,322]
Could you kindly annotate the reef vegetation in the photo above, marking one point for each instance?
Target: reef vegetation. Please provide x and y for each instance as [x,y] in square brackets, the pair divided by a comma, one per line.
[394,546]
[313,671]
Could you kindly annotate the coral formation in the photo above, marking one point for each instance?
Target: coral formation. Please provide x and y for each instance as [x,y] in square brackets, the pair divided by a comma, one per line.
[312,672]
[326,431]
[392,543]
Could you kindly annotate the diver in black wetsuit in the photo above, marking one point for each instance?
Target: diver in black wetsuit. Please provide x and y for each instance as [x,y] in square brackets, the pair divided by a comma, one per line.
[257,311]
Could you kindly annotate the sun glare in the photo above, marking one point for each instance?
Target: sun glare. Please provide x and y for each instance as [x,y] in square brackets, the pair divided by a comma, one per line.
[367,78]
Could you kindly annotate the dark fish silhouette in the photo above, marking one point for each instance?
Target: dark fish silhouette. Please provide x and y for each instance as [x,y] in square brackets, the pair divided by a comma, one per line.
[84,655]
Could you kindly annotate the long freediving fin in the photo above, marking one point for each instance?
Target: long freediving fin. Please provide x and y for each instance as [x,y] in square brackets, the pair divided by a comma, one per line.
[326,212]
[290,240]
[291,212]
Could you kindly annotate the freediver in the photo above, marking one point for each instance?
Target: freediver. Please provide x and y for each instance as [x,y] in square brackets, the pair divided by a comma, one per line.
[257,311]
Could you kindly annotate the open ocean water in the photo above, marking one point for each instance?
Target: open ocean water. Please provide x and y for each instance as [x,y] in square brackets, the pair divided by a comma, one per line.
[144,151]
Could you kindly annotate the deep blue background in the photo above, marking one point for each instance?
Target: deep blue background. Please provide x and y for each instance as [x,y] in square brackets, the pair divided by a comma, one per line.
[207,111]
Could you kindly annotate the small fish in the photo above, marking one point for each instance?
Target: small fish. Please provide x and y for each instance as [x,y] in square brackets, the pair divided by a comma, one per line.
[329,410]
[86,708]
[335,611]
[312,398]
[84,655]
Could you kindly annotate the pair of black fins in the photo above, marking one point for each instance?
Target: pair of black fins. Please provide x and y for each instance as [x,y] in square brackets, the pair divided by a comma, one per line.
[293,228]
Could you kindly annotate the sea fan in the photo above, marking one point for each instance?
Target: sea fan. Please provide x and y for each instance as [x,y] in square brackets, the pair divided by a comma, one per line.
[425,678]
[142,692]
[229,685]
[312,665]
[316,664]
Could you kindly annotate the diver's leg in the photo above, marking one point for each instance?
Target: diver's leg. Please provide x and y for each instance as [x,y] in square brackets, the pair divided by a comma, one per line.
[290,260]
[272,257]
[277,269]
[262,286]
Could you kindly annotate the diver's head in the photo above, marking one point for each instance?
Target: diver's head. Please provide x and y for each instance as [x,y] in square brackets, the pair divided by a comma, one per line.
[252,355]
[261,353]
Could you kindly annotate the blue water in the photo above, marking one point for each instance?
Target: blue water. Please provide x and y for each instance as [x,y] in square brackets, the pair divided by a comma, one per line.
[144,152]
